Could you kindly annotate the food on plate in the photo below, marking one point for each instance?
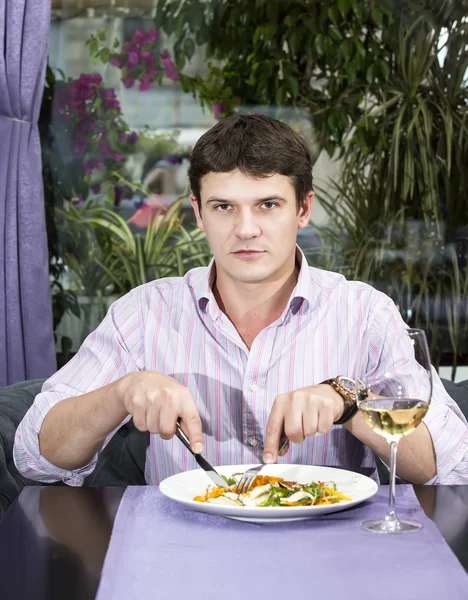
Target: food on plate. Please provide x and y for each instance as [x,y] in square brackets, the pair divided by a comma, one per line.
[274,491]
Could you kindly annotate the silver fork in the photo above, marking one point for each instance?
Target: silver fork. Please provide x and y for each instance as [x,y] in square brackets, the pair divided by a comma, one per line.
[248,476]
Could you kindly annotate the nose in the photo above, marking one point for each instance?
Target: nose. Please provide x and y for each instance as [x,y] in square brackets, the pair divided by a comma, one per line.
[245,225]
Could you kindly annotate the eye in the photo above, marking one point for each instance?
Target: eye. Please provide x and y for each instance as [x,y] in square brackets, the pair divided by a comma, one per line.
[269,205]
[222,207]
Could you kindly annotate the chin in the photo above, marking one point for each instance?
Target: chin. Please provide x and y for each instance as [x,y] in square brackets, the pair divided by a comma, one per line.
[250,276]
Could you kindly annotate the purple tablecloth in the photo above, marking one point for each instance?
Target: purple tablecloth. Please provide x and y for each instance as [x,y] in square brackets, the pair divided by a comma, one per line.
[160,549]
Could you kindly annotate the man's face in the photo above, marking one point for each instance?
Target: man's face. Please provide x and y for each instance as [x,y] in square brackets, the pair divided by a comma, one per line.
[251,224]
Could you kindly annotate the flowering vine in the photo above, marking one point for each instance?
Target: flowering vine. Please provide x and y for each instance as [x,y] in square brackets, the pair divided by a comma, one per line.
[139,59]
[96,129]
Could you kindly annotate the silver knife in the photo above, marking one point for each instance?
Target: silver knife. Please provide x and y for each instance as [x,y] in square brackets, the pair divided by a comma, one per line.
[204,464]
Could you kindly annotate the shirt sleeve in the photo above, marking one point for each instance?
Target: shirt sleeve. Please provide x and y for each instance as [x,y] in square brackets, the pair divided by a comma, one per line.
[389,368]
[115,348]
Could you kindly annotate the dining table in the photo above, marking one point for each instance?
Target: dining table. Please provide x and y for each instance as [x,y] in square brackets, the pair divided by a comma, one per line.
[54,539]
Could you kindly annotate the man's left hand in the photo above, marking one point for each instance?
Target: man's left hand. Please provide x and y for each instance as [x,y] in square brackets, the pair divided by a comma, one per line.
[300,414]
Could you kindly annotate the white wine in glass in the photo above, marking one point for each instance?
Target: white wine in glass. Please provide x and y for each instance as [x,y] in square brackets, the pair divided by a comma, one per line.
[393,418]
[397,409]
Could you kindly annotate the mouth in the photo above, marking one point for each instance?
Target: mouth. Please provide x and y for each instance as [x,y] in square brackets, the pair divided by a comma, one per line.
[248,254]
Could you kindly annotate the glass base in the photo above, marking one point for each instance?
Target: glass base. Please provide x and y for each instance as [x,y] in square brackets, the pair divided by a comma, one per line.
[391,526]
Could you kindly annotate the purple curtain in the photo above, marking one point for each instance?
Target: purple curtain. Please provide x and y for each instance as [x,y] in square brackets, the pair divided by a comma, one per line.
[26,336]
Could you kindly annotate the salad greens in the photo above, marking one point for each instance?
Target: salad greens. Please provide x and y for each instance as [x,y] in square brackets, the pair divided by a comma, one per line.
[268,491]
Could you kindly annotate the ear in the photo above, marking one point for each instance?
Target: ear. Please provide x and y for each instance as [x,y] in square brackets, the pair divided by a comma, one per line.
[196,210]
[303,217]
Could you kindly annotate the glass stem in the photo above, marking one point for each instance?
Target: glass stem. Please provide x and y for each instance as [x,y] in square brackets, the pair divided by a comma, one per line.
[391,514]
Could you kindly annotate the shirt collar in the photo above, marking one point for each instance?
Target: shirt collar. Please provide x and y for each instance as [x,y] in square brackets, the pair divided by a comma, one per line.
[299,299]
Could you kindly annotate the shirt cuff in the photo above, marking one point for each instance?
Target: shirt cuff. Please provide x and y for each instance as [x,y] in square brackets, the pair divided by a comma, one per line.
[450,438]
[74,478]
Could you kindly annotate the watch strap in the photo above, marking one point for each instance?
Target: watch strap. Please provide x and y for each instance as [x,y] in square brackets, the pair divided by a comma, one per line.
[349,399]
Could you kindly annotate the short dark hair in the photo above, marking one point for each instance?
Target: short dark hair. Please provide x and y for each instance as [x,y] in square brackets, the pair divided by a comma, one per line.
[259,146]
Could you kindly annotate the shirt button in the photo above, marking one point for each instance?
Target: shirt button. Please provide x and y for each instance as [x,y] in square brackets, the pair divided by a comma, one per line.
[254,387]
[69,474]
[253,442]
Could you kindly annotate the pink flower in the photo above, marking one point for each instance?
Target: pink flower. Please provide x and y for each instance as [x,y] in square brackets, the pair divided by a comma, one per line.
[131,47]
[133,138]
[105,149]
[170,67]
[128,82]
[165,54]
[96,188]
[85,126]
[174,75]
[139,36]
[116,62]
[109,99]
[152,36]
[145,84]
[79,108]
[90,78]
[168,64]
[133,58]
[83,91]
[218,109]
[149,62]
[93,163]
[122,138]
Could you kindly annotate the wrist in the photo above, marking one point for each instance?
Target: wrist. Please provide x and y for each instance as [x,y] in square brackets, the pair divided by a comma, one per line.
[117,392]
[345,388]
[336,400]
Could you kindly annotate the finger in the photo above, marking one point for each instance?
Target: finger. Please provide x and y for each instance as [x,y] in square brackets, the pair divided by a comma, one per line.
[137,408]
[191,423]
[293,422]
[274,430]
[325,419]
[310,420]
[139,418]
[152,417]
[168,415]
[284,450]
[293,428]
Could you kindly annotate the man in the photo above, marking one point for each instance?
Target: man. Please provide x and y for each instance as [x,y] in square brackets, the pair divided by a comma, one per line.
[239,350]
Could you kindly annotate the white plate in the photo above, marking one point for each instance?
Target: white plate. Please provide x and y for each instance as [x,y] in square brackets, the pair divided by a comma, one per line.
[184,486]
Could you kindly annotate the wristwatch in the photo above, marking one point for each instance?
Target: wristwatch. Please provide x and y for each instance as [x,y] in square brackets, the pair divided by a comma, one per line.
[346,388]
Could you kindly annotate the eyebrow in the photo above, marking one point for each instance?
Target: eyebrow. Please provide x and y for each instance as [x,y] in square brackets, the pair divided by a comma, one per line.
[213,199]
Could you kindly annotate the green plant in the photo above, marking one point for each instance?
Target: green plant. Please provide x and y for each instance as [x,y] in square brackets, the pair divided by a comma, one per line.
[406,259]
[319,56]
[85,146]
[55,189]
[84,250]
[129,258]
[401,203]
[372,78]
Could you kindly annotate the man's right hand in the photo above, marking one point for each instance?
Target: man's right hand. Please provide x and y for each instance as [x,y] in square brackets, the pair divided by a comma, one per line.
[157,401]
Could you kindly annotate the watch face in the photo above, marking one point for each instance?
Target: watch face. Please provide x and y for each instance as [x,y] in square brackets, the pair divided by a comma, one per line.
[347,383]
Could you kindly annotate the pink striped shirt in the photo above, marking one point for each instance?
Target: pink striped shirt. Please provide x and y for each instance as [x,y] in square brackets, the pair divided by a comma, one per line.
[329,327]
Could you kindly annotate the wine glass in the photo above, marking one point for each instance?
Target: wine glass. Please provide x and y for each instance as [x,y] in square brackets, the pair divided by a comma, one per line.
[394,405]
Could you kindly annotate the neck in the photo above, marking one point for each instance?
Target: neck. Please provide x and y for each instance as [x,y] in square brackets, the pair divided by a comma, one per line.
[254,306]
